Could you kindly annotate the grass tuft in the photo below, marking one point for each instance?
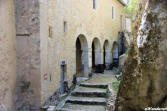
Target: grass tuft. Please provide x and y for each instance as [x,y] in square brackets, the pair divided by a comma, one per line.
[116,85]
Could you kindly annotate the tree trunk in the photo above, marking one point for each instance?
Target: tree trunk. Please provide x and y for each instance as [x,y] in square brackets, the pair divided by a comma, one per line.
[144,78]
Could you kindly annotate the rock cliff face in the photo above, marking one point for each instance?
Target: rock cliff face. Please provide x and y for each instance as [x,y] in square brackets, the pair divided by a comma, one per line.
[144,77]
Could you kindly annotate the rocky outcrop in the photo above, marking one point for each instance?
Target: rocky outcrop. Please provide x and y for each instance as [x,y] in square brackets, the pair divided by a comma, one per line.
[144,77]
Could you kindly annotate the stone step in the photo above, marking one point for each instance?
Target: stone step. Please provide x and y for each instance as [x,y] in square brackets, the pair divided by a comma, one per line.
[89,92]
[66,109]
[81,79]
[108,72]
[51,108]
[87,100]
[94,85]
[77,107]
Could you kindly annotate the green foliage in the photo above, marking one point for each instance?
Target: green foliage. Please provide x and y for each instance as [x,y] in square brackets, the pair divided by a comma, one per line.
[132,7]
[116,85]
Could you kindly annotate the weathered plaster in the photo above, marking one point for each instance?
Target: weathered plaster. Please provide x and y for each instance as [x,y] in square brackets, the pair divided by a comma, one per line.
[7,56]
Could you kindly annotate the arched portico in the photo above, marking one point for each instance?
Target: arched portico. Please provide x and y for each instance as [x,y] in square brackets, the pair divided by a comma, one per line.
[81,56]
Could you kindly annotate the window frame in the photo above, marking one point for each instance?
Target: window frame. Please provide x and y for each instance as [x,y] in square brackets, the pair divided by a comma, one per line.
[113,12]
[95,4]
[65,26]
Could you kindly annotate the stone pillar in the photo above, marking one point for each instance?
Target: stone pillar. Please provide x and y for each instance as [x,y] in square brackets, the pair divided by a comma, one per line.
[90,59]
[85,64]
[98,55]
[7,56]
[111,57]
[31,60]
[108,58]
[102,56]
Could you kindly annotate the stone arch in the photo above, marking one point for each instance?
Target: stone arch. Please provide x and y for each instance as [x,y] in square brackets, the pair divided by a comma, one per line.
[81,56]
[99,40]
[115,54]
[106,54]
[96,52]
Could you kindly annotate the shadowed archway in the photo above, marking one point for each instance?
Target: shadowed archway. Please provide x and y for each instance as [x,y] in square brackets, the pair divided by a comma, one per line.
[106,54]
[81,56]
[115,54]
[96,53]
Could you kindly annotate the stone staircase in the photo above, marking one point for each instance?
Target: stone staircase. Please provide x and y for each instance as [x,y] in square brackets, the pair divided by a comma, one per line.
[93,94]
[86,97]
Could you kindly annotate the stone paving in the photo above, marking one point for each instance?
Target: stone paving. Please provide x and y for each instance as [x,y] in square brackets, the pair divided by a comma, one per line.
[75,107]
[89,95]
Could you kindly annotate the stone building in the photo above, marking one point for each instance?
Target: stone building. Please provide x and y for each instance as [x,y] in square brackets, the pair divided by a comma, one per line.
[81,34]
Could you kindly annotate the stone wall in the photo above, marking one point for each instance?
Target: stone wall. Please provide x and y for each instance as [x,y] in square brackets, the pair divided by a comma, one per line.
[28,54]
[7,56]
[42,45]
[144,78]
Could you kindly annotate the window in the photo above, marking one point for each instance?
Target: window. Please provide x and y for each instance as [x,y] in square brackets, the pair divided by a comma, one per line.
[50,31]
[112,12]
[94,4]
[122,23]
[65,27]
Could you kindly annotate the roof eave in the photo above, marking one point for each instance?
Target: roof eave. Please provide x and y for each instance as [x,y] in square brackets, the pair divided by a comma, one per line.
[123,3]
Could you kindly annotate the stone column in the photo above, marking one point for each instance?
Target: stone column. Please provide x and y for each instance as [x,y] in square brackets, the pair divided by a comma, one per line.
[98,57]
[90,59]
[7,56]
[111,57]
[108,58]
[102,56]
[85,64]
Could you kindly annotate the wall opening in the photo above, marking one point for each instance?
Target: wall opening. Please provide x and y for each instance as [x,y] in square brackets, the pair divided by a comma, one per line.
[97,65]
[78,57]
[93,56]
[106,54]
[95,4]
[63,79]
[113,16]
[81,56]
[65,26]
[115,53]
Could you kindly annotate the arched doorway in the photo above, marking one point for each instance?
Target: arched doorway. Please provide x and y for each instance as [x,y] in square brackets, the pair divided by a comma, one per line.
[115,55]
[96,54]
[93,56]
[106,54]
[81,56]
